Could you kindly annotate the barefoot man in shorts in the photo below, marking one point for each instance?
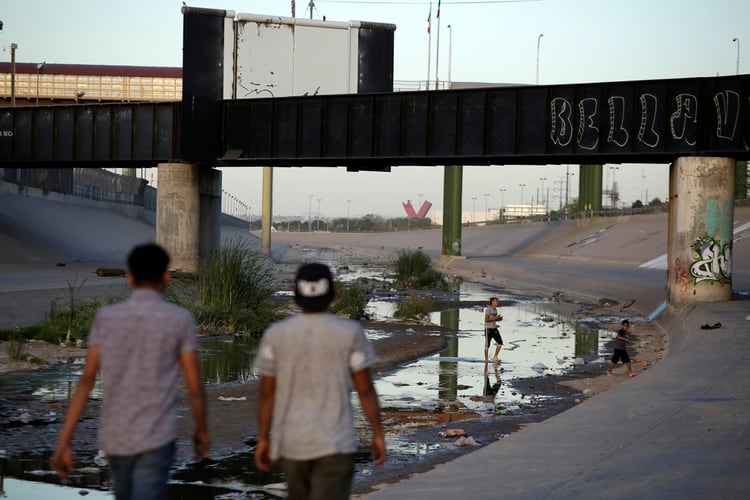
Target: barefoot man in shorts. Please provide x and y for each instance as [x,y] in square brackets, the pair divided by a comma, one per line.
[491,332]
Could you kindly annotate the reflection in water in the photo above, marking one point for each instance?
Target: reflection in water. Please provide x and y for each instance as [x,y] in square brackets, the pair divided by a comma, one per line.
[448,381]
[225,360]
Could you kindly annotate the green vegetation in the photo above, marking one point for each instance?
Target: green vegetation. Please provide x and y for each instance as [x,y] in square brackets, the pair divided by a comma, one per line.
[414,270]
[233,292]
[16,347]
[65,322]
[414,308]
[349,301]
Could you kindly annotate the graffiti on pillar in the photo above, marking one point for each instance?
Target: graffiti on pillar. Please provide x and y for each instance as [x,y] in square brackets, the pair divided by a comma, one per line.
[713,261]
[681,278]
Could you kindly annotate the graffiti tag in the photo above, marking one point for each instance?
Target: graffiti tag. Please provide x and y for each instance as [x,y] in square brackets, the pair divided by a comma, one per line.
[714,261]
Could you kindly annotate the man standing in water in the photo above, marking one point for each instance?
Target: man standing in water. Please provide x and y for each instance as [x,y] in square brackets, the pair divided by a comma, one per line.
[140,345]
[491,332]
[308,364]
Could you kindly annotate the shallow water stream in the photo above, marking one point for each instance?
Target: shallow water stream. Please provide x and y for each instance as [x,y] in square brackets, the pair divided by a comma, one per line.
[539,339]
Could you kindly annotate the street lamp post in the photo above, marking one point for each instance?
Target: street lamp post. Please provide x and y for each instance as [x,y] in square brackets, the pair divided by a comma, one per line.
[348,208]
[309,213]
[13,47]
[501,214]
[538,42]
[450,55]
[317,222]
[522,186]
[486,209]
[544,202]
[474,210]
[737,39]
[39,68]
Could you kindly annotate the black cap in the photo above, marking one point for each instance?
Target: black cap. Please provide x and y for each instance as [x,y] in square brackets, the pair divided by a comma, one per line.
[313,287]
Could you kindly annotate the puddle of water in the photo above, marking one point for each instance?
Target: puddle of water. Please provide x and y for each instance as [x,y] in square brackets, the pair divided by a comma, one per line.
[32,490]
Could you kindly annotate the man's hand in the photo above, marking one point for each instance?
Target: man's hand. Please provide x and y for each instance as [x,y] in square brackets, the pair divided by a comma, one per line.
[263,455]
[377,449]
[201,444]
[62,461]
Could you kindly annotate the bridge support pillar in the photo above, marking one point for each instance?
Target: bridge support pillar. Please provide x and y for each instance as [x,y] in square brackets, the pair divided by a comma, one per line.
[209,230]
[589,188]
[452,188]
[701,215]
[178,214]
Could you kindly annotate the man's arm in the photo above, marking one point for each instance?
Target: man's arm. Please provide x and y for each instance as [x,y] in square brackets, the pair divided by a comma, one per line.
[197,398]
[62,459]
[369,400]
[265,415]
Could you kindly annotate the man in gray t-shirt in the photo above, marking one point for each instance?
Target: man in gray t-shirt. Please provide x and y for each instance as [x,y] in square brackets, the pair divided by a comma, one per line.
[308,364]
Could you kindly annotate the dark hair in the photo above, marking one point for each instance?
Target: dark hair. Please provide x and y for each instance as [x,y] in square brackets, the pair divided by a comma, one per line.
[313,287]
[494,298]
[148,263]
[625,322]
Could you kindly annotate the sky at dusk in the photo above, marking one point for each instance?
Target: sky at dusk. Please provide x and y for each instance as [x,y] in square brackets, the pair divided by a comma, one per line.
[582,41]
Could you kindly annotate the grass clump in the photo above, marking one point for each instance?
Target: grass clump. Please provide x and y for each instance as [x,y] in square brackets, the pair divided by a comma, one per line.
[414,270]
[66,322]
[414,308]
[232,292]
[349,301]
[16,347]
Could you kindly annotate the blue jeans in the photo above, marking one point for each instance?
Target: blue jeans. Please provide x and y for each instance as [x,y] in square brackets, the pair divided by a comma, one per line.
[143,476]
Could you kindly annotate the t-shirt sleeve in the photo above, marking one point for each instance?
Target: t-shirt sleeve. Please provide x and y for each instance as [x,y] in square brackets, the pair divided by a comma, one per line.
[265,359]
[363,354]
[190,336]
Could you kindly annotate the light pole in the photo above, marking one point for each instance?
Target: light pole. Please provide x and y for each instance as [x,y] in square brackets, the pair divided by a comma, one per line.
[615,197]
[420,201]
[486,209]
[13,47]
[309,214]
[450,55]
[502,203]
[538,43]
[522,186]
[474,210]
[543,199]
[348,208]
[737,39]
[39,68]
[317,222]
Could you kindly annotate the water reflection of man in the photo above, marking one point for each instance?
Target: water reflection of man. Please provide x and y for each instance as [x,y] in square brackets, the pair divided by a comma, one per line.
[491,390]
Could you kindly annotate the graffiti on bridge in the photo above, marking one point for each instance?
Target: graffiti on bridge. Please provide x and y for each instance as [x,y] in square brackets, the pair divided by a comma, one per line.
[713,261]
[682,119]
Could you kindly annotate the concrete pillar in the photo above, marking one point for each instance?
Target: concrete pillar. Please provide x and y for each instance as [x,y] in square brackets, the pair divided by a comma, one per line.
[267,221]
[701,215]
[452,189]
[209,229]
[740,180]
[589,188]
[178,214]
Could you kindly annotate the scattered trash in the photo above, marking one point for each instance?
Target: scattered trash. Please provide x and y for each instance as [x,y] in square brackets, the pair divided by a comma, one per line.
[466,441]
[579,361]
[101,459]
[711,327]
[223,398]
[587,391]
[453,433]
[103,271]
[366,472]
[539,367]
